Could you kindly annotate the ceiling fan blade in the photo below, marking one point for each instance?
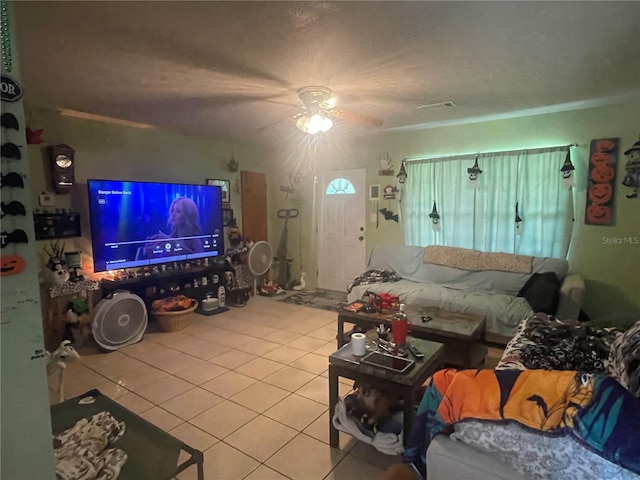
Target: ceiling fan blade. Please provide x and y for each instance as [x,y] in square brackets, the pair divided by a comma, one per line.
[356,118]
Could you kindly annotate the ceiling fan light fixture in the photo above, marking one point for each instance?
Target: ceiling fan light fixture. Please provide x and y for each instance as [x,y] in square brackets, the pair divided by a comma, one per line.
[315,123]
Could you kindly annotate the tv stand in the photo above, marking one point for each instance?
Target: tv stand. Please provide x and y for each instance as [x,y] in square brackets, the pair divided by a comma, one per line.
[183,281]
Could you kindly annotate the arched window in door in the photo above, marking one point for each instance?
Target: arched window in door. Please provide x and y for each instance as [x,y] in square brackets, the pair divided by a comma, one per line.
[340,186]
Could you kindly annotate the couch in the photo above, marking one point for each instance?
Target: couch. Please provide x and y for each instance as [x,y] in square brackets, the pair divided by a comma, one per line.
[470,281]
[480,449]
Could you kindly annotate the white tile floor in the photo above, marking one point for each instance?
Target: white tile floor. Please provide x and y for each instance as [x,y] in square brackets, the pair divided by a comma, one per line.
[247,387]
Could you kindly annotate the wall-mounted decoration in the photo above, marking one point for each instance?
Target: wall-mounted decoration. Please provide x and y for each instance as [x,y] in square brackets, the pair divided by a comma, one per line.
[632,177]
[17,236]
[518,220]
[34,137]
[62,159]
[11,265]
[389,192]
[374,193]
[474,174]
[389,215]
[11,179]
[225,185]
[12,208]
[567,172]
[11,90]
[9,120]
[10,150]
[386,166]
[227,217]
[602,172]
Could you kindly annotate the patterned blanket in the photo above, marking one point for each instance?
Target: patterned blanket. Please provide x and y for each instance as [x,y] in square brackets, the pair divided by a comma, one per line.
[596,410]
[476,260]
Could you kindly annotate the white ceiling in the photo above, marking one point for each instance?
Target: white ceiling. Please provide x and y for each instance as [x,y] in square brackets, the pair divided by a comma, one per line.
[232,69]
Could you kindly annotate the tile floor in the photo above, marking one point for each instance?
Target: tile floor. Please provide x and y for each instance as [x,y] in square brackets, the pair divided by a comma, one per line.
[247,387]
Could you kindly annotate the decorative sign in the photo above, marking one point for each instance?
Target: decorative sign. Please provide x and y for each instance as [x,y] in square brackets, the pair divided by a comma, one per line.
[602,174]
[10,89]
[389,192]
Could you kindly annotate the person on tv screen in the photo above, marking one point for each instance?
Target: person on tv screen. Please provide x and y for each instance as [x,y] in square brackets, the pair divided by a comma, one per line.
[184,223]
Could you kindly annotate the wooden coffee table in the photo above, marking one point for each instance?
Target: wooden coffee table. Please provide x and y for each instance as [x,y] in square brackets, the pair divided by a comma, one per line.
[460,332]
[343,364]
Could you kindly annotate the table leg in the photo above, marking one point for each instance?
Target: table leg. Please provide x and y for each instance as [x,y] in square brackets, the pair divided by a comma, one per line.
[408,414]
[333,401]
[340,332]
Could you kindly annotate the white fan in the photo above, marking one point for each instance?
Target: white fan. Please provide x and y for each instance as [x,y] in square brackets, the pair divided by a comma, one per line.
[259,261]
[120,319]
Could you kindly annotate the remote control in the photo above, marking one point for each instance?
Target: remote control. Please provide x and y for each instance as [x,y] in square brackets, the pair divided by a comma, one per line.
[416,353]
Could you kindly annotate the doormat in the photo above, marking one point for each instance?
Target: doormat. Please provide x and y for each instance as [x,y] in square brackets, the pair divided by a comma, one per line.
[318,298]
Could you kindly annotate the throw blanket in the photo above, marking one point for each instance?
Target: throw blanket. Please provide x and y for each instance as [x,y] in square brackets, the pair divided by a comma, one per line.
[475,260]
[373,276]
[596,410]
[81,452]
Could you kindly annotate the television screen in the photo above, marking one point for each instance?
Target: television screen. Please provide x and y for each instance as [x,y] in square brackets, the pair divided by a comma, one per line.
[136,224]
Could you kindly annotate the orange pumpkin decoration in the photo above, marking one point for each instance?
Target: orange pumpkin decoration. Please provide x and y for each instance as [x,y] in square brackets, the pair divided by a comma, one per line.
[600,193]
[602,174]
[598,214]
[11,265]
[601,158]
[605,145]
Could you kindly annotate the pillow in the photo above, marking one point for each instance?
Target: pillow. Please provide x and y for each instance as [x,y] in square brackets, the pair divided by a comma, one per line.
[542,291]
[625,352]
[538,456]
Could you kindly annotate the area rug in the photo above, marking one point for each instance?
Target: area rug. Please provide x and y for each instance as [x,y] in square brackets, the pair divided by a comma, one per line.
[318,298]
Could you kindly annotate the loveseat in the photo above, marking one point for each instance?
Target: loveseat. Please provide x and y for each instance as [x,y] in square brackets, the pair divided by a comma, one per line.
[480,449]
[470,281]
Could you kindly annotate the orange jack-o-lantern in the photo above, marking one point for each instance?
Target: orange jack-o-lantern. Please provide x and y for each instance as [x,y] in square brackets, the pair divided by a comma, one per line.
[11,265]
[602,173]
[605,145]
[600,158]
[600,193]
[598,214]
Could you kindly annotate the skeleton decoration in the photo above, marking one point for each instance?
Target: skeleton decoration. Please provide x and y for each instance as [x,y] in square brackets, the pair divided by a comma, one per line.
[567,172]
[57,362]
[632,177]
[474,174]
[435,217]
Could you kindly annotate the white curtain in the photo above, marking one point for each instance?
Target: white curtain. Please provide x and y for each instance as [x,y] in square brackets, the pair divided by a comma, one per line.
[483,218]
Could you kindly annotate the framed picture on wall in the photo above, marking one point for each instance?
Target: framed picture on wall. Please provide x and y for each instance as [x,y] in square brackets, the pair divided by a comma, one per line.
[227,217]
[226,190]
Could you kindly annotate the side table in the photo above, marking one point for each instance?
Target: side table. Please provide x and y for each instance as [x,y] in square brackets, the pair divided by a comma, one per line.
[343,364]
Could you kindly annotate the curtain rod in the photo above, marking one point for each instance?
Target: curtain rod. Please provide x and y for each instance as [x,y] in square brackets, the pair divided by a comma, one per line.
[416,159]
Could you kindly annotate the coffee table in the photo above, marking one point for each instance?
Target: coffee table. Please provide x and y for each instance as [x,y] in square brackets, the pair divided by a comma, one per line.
[343,364]
[460,332]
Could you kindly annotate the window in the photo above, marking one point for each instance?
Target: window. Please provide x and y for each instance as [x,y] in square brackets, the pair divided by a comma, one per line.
[484,218]
[340,186]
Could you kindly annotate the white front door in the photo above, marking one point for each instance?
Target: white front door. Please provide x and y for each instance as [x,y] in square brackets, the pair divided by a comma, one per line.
[341,223]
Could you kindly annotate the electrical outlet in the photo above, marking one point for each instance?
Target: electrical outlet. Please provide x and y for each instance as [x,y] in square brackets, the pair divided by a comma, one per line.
[45,200]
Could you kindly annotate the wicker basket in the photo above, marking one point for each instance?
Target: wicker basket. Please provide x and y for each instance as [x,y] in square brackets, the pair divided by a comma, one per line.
[175,321]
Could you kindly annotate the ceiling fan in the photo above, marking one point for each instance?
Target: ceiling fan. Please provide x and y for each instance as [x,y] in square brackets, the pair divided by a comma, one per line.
[320,106]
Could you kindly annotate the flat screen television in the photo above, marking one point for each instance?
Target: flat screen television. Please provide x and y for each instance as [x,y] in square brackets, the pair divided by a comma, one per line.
[134,224]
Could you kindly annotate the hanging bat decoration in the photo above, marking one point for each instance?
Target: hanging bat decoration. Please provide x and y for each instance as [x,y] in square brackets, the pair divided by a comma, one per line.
[9,120]
[12,208]
[474,174]
[17,236]
[567,172]
[10,150]
[389,215]
[11,179]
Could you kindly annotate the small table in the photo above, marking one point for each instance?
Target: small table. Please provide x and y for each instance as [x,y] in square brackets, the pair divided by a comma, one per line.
[343,364]
[460,332]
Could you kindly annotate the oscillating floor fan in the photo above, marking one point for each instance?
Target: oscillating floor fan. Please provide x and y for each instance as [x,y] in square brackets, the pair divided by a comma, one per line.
[120,319]
[259,261]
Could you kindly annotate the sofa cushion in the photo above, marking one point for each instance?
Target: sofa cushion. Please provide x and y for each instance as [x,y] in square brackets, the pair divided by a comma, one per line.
[538,456]
[542,291]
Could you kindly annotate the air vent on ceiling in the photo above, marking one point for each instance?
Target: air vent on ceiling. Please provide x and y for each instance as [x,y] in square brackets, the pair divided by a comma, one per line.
[447,104]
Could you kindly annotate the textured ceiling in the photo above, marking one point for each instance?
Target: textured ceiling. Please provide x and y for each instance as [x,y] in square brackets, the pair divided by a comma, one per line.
[232,69]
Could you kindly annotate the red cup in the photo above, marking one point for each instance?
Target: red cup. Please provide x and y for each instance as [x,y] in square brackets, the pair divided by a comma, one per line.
[400,328]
